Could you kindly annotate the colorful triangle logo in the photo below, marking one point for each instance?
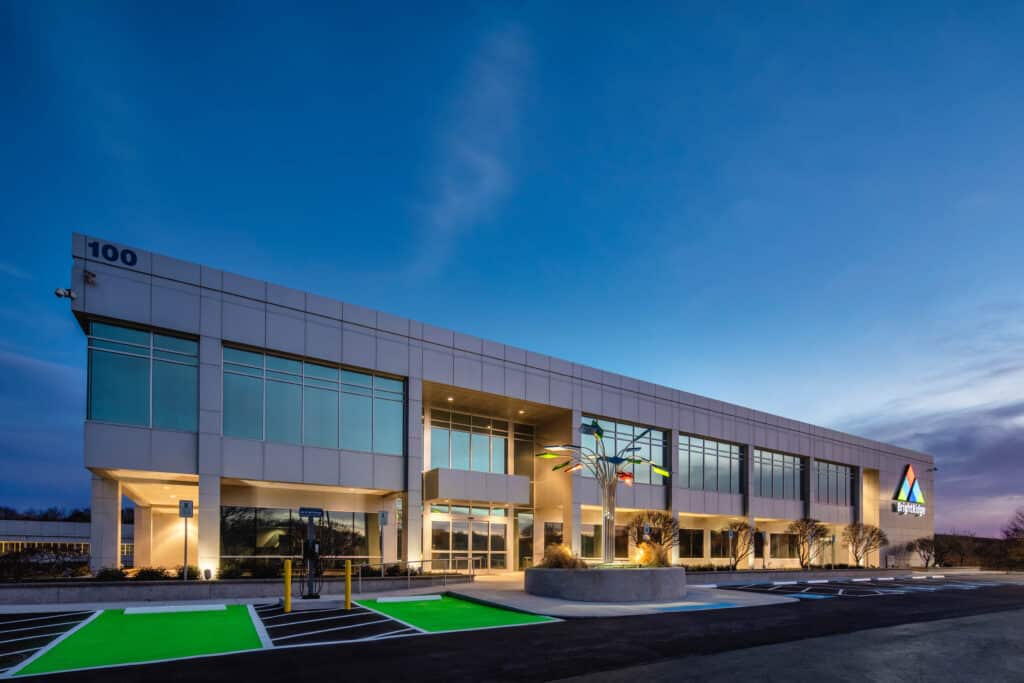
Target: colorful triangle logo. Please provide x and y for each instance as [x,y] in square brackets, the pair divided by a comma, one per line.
[910,488]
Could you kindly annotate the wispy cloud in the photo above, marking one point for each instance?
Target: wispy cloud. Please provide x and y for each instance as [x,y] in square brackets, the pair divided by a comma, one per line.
[474,169]
[970,417]
[13,271]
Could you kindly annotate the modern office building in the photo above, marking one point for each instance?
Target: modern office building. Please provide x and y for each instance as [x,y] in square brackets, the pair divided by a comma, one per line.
[253,400]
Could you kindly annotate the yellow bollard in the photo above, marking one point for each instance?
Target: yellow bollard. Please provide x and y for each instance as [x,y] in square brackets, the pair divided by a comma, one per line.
[348,584]
[287,586]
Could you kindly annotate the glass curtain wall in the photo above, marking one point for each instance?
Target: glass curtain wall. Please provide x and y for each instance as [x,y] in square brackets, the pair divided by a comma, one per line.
[274,398]
[137,377]
[255,532]
[460,441]
[617,435]
[777,475]
[834,483]
[710,465]
[461,533]
[691,543]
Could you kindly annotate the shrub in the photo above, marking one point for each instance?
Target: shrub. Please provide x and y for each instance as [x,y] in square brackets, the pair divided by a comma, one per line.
[193,572]
[652,555]
[111,574]
[230,571]
[150,574]
[560,557]
[36,563]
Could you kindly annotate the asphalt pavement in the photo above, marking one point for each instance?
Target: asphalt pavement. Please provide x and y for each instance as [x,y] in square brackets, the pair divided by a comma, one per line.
[583,646]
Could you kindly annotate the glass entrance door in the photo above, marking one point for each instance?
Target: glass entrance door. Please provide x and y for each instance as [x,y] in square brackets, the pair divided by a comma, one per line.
[463,535]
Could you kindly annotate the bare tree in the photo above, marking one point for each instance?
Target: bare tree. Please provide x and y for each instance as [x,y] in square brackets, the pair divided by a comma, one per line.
[863,540]
[1013,536]
[658,530]
[742,542]
[809,536]
[925,549]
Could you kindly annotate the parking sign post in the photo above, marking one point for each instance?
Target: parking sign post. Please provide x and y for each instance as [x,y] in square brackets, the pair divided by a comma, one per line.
[185,511]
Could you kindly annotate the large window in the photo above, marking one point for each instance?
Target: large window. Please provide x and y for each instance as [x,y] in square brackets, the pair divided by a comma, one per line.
[784,546]
[590,540]
[618,435]
[142,378]
[709,465]
[777,475]
[480,533]
[834,483]
[720,545]
[691,543]
[468,442]
[291,401]
[278,532]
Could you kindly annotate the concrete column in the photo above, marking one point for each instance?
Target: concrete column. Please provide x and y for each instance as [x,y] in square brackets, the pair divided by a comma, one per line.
[209,524]
[857,493]
[571,528]
[810,487]
[105,527]
[143,536]
[672,465]
[416,532]
[748,495]
[391,531]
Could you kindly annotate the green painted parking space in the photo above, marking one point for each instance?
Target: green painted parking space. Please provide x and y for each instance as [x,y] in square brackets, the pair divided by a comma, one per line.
[113,638]
[452,614]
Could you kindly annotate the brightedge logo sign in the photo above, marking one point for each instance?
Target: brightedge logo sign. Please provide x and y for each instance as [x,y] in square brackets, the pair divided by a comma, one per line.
[909,499]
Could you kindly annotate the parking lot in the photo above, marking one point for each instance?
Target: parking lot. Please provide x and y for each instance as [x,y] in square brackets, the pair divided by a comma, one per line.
[331,625]
[23,635]
[824,589]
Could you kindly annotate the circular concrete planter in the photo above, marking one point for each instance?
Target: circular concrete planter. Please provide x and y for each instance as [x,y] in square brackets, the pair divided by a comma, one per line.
[608,585]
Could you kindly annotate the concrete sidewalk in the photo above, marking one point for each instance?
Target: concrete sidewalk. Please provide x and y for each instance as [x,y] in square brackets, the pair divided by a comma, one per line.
[506,590]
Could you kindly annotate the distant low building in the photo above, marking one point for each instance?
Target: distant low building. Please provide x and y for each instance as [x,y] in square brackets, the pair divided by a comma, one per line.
[65,537]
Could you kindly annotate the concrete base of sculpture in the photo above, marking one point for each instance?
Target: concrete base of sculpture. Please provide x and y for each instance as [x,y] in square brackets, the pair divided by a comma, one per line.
[664,584]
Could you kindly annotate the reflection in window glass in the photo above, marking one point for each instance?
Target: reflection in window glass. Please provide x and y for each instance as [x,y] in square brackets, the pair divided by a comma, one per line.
[305,403]
[777,475]
[460,450]
[691,543]
[439,447]
[619,435]
[284,411]
[320,418]
[243,406]
[388,430]
[621,542]
[590,540]
[356,422]
[474,443]
[122,361]
[480,449]
[552,533]
[833,483]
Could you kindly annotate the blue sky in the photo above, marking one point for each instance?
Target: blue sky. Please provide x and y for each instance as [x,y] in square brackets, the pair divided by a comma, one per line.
[814,210]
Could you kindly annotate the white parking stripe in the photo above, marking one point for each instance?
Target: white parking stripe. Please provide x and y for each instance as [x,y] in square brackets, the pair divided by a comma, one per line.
[53,643]
[817,581]
[55,615]
[859,580]
[885,578]
[261,630]
[328,630]
[783,583]
[310,621]
[35,637]
[37,627]
[309,611]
